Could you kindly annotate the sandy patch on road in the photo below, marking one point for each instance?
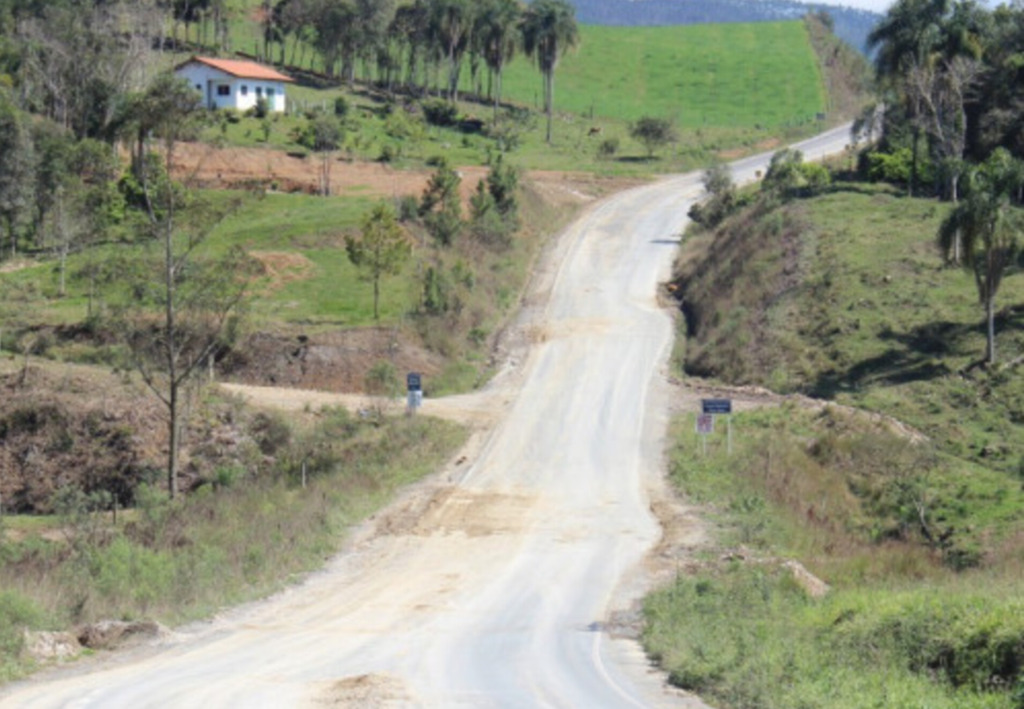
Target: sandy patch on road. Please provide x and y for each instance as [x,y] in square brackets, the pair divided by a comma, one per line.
[451,510]
[364,692]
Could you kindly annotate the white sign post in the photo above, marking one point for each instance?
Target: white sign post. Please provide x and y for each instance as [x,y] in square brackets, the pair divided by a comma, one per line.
[705,427]
[415,396]
[715,407]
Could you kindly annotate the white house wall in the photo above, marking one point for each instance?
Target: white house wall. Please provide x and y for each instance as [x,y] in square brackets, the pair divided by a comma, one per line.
[240,93]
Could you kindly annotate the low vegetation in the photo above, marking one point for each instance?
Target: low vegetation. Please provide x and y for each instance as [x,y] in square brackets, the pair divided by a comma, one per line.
[921,551]
[269,498]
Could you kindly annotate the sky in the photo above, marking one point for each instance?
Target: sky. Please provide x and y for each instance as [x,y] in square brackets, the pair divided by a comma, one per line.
[875,5]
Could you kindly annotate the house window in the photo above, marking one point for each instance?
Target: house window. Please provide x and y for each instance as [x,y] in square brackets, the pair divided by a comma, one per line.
[223,90]
[199,88]
[270,93]
[245,90]
[259,91]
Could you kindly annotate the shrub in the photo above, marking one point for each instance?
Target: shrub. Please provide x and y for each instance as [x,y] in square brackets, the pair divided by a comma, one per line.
[890,167]
[439,112]
[271,432]
[654,133]
[408,208]
[382,380]
[17,614]
[608,148]
[262,108]
[341,107]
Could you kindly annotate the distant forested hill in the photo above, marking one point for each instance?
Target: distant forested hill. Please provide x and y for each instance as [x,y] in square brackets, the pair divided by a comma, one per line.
[851,25]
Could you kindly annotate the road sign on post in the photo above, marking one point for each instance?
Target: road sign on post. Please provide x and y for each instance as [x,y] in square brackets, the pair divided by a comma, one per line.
[412,379]
[716,406]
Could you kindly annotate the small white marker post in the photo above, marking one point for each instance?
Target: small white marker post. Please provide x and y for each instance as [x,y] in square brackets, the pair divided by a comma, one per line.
[715,407]
[705,427]
[415,396]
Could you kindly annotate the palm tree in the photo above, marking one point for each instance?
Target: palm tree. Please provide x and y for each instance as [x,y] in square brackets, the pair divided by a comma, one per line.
[986,227]
[549,31]
[500,37]
[451,24]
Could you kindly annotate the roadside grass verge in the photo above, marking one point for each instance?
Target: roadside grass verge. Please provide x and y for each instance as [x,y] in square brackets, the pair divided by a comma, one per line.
[885,522]
[246,532]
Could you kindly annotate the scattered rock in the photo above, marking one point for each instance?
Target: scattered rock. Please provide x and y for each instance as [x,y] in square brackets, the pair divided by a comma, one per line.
[109,634]
[811,584]
[46,646]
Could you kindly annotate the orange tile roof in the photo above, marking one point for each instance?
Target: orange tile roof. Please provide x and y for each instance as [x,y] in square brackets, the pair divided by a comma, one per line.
[240,68]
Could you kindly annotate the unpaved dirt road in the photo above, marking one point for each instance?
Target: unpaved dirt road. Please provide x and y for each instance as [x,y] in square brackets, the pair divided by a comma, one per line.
[492,585]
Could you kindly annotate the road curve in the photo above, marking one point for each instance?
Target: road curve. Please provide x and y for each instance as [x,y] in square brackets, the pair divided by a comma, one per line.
[493,587]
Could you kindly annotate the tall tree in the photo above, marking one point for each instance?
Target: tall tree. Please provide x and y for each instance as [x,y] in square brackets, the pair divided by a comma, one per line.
[451,23]
[500,37]
[549,31]
[409,29]
[904,41]
[381,251]
[195,296]
[17,171]
[941,90]
[988,228]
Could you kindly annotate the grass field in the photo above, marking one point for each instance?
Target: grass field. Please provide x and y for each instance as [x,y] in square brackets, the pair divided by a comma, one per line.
[728,75]
[733,75]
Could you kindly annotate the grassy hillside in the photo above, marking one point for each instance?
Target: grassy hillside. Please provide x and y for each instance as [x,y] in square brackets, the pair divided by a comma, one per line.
[729,75]
[845,297]
[920,537]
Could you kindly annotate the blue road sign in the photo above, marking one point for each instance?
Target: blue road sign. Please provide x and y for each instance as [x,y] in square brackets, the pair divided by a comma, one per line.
[412,379]
[716,406]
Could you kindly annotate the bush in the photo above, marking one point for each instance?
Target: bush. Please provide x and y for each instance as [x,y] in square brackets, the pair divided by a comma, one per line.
[407,208]
[608,148]
[890,167]
[439,112]
[17,614]
[262,108]
[382,380]
[654,133]
[341,107]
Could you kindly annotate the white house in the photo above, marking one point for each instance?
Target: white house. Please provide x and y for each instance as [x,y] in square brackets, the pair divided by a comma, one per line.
[233,83]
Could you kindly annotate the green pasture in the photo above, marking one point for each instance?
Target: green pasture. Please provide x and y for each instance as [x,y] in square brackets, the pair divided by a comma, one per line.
[724,75]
